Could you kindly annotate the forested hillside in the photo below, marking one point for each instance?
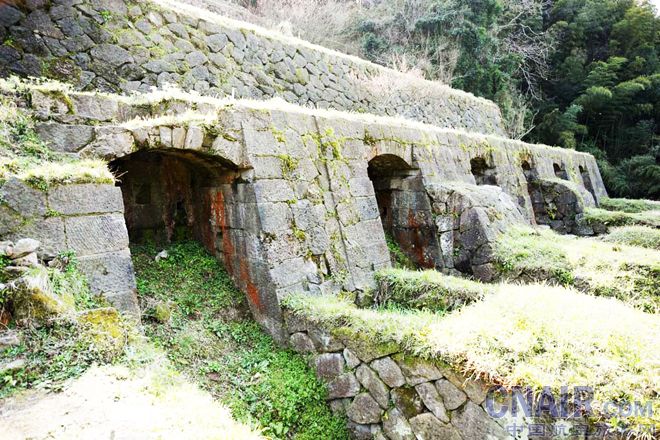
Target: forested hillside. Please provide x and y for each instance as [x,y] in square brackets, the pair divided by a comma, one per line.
[581,74]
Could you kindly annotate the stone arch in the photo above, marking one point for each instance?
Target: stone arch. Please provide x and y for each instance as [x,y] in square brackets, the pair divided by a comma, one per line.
[405,208]
[172,194]
[483,171]
[560,171]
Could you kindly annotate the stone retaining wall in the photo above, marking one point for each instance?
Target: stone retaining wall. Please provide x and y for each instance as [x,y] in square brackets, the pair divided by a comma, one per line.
[119,45]
[84,218]
[291,189]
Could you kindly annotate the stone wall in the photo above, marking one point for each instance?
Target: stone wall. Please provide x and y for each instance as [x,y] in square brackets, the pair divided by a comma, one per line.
[387,393]
[84,218]
[284,195]
[119,45]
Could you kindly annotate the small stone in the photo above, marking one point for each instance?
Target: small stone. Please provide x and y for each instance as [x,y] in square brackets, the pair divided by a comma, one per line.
[339,406]
[8,339]
[329,365]
[178,137]
[14,365]
[196,58]
[6,248]
[428,427]
[325,342]
[451,396]
[29,260]
[389,372]
[364,409]
[351,359]
[24,247]
[358,431]
[345,385]
[103,327]
[111,54]
[407,401]
[417,370]
[431,398]
[162,255]
[301,343]
[396,426]
[369,379]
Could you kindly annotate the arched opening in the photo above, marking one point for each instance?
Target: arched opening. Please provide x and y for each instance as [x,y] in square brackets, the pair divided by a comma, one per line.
[533,189]
[483,172]
[560,171]
[586,179]
[405,209]
[173,195]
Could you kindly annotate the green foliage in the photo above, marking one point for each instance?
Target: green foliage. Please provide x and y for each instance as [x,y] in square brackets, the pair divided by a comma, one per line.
[642,236]
[210,338]
[399,258]
[428,290]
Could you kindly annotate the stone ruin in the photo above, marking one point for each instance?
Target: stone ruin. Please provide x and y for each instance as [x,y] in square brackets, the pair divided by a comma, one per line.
[295,194]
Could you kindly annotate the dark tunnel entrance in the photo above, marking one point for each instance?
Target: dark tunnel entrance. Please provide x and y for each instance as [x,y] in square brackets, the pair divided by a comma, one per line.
[405,209]
[172,196]
[586,179]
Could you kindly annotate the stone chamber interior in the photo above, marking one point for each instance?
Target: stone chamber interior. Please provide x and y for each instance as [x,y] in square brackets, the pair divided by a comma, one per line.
[405,209]
[169,196]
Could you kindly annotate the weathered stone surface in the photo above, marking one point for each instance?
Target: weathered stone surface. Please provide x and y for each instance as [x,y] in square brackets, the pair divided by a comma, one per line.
[24,247]
[301,343]
[34,299]
[324,341]
[432,400]
[345,385]
[364,409]
[396,427]
[452,397]
[85,199]
[91,235]
[389,372]
[108,273]
[65,138]
[22,198]
[49,232]
[475,389]
[8,338]
[378,390]
[407,401]
[473,422]
[427,427]
[417,370]
[329,365]
[351,359]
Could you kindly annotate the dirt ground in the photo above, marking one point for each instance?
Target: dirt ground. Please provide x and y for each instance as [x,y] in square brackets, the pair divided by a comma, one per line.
[118,403]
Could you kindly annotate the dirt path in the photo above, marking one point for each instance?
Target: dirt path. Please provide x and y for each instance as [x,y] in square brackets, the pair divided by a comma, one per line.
[114,402]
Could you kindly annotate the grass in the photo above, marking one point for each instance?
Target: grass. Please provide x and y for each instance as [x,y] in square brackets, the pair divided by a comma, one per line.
[430,290]
[533,336]
[24,155]
[211,339]
[630,274]
[629,205]
[595,216]
[642,236]
[60,349]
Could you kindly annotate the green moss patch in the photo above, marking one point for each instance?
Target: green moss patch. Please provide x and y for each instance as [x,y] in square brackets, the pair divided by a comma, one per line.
[534,335]
[428,289]
[630,274]
[210,338]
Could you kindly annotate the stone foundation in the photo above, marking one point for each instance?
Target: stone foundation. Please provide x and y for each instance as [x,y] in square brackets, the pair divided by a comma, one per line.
[84,218]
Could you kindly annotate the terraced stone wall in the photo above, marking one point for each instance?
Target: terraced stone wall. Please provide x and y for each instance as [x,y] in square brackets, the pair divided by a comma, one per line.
[285,195]
[124,46]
